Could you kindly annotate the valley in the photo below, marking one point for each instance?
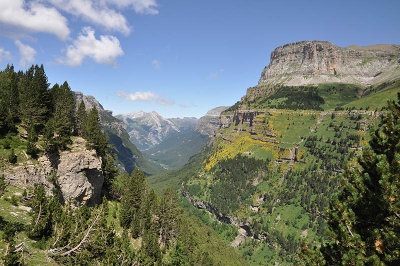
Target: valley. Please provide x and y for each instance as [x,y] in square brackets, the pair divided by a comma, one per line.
[255,183]
[276,161]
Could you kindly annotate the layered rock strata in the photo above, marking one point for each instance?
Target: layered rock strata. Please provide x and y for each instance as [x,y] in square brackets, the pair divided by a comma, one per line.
[314,62]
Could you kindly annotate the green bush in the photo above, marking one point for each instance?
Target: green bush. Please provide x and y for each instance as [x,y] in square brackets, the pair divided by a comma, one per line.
[12,157]
[14,200]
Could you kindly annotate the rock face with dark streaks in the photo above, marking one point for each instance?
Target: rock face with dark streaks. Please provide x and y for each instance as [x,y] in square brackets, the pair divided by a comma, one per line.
[77,172]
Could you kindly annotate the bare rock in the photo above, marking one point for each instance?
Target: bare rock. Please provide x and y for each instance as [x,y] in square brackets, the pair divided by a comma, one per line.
[210,123]
[314,62]
[79,174]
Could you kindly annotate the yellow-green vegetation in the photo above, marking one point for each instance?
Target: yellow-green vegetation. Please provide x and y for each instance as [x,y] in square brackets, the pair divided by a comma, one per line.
[303,152]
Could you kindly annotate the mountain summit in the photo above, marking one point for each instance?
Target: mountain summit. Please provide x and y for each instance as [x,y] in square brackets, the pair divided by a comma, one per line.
[315,62]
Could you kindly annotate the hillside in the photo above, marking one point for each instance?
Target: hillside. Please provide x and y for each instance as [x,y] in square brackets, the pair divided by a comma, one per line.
[64,201]
[127,153]
[275,161]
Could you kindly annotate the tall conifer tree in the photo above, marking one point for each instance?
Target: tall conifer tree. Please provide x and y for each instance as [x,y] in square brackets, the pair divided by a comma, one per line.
[97,139]
[34,97]
[64,113]
[81,119]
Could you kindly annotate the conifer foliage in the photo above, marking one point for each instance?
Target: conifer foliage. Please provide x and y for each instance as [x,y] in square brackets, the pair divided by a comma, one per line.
[364,218]
[63,103]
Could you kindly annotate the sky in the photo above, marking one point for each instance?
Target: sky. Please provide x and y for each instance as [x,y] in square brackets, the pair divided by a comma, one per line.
[176,57]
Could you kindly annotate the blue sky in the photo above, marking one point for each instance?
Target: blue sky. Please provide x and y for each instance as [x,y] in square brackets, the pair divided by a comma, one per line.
[177,57]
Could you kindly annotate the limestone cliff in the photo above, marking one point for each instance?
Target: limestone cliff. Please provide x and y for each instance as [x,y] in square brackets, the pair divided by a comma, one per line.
[78,174]
[315,62]
[209,124]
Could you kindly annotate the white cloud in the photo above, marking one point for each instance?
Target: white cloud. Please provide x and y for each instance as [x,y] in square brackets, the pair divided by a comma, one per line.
[26,53]
[96,12]
[33,17]
[216,74]
[4,55]
[140,6]
[145,96]
[103,51]
[156,64]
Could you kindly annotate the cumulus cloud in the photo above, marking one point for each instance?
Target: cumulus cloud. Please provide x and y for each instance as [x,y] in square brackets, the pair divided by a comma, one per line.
[96,12]
[4,55]
[140,6]
[156,64]
[34,16]
[103,51]
[215,74]
[27,54]
[145,96]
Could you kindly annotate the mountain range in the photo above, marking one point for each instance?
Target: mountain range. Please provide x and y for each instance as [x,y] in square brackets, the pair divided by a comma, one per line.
[170,142]
[255,181]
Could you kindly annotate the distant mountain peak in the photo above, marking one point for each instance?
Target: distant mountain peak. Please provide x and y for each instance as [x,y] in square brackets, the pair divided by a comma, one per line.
[147,129]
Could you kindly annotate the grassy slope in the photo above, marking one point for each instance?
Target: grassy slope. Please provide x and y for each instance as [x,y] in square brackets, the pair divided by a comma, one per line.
[295,221]
[20,214]
[379,99]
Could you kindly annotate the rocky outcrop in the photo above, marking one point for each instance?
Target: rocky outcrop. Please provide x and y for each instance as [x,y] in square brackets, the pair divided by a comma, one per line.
[78,174]
[244,228]
[210,123]
[88,100]
[314,62]
[240,117]
[220,216]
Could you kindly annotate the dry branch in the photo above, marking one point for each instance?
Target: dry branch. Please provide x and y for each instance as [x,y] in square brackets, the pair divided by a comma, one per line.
[55,251]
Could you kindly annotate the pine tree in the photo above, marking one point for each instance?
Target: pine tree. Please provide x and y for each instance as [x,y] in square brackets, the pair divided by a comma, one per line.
[12,157]
[364,218]
[96,138]
[12,258]
[34,97]
[81,119]
[132,202]
[169,212]
[41,225]
[151,248]
[179,257]
[64,114]
[110,171]
[3,185]
[8,100]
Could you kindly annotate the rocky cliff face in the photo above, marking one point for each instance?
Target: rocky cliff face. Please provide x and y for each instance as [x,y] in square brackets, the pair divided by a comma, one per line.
[78,173]
[314,62]
[209,124]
